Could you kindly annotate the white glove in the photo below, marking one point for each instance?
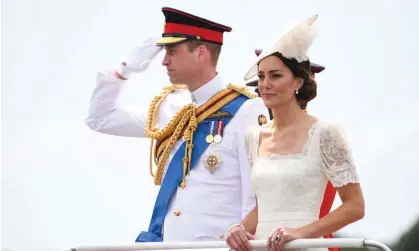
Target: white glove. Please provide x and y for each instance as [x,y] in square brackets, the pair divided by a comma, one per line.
[139,58]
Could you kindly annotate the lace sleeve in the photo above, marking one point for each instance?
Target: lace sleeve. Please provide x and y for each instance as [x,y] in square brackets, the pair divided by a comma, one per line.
[338,166]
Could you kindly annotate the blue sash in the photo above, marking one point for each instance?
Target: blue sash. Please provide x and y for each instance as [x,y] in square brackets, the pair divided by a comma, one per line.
[174,172]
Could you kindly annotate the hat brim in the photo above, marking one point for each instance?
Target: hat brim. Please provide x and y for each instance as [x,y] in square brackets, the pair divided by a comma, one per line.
[316,68]
[170,40]
[252,84]
[274,48]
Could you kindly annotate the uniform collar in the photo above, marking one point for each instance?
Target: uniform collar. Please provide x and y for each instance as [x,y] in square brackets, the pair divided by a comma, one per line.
[205,92]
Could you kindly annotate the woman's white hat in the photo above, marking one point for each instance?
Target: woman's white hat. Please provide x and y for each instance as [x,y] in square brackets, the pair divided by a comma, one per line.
[294,44]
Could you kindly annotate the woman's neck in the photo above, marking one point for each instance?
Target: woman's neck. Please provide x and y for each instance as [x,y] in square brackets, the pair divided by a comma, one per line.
[286,115]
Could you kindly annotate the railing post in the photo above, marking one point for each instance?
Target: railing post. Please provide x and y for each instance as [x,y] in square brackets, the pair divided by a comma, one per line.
[370,243]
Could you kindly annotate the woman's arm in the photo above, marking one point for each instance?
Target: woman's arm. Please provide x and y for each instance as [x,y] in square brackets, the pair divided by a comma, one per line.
[250,222]
[351,210]
[338,166]
[240,234]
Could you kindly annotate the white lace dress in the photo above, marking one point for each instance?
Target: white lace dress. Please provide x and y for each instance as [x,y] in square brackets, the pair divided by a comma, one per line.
[290,188]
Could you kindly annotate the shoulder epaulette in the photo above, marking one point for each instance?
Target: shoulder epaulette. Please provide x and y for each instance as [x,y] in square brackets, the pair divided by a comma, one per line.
[173,87]
[243,90]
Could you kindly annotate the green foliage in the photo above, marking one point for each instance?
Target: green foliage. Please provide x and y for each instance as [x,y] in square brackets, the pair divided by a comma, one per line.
[409,241]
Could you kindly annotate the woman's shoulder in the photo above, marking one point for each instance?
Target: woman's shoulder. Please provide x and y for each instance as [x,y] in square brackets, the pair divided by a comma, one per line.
[330,128]
[327,124]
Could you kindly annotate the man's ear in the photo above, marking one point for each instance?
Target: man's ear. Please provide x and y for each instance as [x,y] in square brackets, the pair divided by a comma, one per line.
[201,50]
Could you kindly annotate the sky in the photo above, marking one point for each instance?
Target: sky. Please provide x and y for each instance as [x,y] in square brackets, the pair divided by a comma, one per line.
[64,185]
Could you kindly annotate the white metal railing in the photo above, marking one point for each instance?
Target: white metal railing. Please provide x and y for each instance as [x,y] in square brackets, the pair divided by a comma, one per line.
[256,244]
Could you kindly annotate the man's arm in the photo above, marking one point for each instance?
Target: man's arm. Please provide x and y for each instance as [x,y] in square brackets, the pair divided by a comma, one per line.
[104,115]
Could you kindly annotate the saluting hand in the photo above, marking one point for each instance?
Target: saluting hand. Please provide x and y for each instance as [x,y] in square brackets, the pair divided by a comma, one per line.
[238,239]
[139,58]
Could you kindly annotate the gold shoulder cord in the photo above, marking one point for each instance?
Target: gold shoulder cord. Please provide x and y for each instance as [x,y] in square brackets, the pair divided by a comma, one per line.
[243,90]
[174,128]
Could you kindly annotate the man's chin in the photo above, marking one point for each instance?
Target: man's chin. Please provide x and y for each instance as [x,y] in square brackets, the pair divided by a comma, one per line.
[175,81]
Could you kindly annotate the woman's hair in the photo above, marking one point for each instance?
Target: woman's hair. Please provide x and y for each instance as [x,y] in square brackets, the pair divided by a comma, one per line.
[308,90]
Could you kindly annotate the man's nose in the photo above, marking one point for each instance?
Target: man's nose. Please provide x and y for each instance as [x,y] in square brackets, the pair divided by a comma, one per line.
[166,60]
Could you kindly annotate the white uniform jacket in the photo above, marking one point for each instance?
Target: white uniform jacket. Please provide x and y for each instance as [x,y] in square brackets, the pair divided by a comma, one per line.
[210,202]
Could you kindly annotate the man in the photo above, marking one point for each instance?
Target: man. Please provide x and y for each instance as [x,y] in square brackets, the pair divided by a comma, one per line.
[198,126]
[330,191]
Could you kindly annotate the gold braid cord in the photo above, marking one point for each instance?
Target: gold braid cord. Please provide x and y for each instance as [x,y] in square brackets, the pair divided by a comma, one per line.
[173,129]
[243,90]
[185,116]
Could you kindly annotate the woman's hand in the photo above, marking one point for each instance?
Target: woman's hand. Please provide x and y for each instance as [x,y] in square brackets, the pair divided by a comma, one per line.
[238,238]
[281,236]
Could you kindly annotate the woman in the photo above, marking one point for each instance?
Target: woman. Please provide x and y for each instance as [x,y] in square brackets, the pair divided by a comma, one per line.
[295,155]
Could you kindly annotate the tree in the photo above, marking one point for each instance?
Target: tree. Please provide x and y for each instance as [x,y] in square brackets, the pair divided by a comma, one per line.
[409,241]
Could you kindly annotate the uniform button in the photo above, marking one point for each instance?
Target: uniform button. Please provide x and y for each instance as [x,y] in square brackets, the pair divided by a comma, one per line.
[221,236]
[177,212]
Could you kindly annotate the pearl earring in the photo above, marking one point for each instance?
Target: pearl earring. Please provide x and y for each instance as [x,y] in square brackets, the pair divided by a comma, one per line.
[296,92]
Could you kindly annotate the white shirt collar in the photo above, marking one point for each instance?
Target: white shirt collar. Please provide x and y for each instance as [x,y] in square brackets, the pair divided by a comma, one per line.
[205,92]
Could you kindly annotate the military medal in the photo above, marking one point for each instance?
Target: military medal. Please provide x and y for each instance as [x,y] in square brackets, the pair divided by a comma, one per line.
[218,137]
[212,162]
[209,139]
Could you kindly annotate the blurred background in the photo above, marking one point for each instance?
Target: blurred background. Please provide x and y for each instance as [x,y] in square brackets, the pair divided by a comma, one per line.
[64,185]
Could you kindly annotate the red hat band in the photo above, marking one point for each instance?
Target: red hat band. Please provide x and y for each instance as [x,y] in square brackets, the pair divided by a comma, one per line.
[206,34]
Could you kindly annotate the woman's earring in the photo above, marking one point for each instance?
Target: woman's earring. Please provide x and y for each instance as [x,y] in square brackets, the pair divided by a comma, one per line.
[296,92]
